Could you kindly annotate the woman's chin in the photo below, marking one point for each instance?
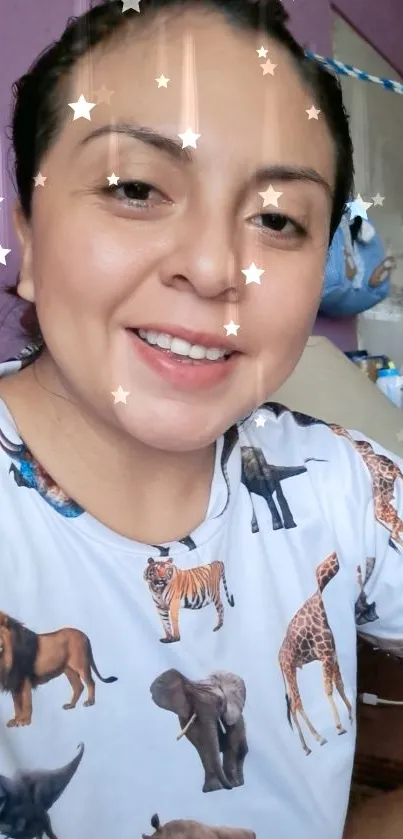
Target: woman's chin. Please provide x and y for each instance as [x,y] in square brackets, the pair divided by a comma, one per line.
[167,431]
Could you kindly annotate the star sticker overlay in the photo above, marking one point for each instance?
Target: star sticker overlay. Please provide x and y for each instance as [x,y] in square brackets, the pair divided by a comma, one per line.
[162,81]
[358,207]
[270,196]
[253,274]
[120,395]
[131,4]
[82,108]
[378,200]
[260,421]
[313,113]
[262,52]
[189,138]
[1,199]
[231,328]
[40,179]
[113,179]
[103,95]
[268,67]
[3,254]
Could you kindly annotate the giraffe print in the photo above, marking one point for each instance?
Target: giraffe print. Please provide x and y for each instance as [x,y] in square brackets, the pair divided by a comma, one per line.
[382,469]
[309,638]
[384,472]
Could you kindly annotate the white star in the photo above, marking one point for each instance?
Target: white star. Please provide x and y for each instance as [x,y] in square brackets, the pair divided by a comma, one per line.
[270,196]
[40,180]
[189,138]
[120,395]
[232,328]
[162,81]
[262,52]
[82,108]
[253,274]
[378,200]
[313,112]
[268,67]
[113,179]
[260,421]
[359,208]
[1,199]
[3,254]
[130,4]
[103,95]
[399,436]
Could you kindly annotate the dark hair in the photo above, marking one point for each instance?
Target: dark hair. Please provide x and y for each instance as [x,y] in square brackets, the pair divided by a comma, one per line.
[37,117]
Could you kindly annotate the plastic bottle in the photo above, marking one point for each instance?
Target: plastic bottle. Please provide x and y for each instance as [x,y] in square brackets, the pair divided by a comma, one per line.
[390,382]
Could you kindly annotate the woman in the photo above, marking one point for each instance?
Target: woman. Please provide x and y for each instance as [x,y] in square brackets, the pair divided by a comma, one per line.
[173,240]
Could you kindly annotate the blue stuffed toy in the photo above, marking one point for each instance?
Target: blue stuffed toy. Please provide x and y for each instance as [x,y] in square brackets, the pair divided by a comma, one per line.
[357,274]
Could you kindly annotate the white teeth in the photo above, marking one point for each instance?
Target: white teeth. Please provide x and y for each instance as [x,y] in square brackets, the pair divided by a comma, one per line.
[181,347]
[163,341]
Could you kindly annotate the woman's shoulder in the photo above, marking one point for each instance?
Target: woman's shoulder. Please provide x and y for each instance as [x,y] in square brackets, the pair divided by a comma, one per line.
[280,434]
[276,425]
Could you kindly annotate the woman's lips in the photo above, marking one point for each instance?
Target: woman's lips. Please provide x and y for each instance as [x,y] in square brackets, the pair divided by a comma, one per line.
[180,371]
[192,336]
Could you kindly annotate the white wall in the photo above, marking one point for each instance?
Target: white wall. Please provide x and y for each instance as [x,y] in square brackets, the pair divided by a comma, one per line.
[377,129]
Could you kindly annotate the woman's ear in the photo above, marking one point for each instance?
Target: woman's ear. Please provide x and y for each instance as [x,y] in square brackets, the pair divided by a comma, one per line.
[25,287]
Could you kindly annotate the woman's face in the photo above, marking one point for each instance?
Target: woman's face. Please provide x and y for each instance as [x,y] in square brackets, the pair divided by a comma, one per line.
[168,254]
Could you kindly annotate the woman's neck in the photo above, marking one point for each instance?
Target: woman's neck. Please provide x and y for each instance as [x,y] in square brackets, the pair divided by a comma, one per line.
[144,494]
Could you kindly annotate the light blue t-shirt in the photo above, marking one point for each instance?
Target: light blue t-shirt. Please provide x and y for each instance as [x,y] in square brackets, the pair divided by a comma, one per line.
[210,681]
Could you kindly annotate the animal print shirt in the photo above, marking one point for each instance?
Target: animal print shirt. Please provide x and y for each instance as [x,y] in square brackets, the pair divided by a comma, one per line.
[170,690]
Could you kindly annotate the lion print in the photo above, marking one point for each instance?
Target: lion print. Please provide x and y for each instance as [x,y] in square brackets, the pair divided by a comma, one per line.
[28,660]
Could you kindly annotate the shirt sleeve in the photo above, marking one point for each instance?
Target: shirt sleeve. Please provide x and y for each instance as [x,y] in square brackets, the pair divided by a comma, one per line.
[379,606]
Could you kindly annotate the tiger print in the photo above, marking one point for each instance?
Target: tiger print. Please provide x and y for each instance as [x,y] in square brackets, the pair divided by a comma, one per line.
[193,588]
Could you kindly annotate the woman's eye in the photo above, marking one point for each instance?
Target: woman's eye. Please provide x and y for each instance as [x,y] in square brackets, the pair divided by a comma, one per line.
[281,225]
[132,193]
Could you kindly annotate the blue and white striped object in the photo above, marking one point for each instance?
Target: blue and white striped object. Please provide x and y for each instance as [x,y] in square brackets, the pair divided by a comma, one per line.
[348,70]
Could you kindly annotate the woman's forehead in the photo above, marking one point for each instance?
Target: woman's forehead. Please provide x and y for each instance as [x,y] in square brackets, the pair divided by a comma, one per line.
[218,86]
[208,60]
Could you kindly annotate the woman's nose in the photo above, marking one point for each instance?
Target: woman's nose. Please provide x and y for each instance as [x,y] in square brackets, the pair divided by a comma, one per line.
[207,260]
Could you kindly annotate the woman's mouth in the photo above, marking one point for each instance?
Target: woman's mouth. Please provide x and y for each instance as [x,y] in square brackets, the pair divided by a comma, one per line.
[184,350]
[181,363]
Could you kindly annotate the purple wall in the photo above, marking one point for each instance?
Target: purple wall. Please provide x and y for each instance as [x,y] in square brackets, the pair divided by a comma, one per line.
[27,26]
[312,23]
[380,22]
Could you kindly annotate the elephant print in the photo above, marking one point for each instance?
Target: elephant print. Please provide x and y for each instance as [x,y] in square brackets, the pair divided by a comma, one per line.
[185,829]
[210,713]
[365,612]
[192,588]
[309,638]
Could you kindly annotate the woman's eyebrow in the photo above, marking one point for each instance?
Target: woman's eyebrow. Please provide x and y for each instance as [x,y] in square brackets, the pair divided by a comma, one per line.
[173,148]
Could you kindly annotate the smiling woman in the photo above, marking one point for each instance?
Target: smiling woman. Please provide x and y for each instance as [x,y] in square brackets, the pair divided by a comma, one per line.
[181,169]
